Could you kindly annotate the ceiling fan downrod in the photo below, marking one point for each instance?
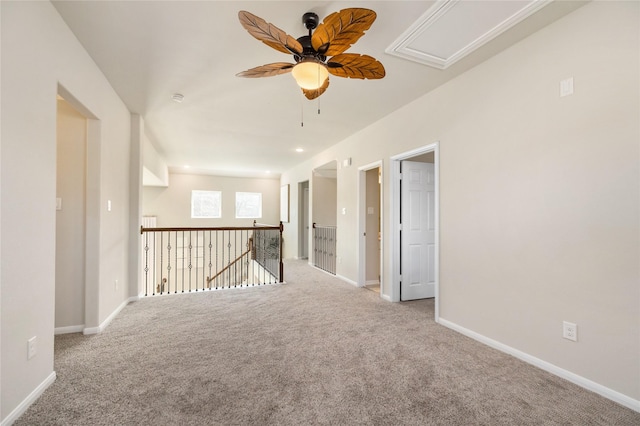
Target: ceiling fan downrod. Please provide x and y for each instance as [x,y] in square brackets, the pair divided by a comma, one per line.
[310,21]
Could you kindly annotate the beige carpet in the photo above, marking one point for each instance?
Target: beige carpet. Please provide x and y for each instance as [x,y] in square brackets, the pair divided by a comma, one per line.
[312,351]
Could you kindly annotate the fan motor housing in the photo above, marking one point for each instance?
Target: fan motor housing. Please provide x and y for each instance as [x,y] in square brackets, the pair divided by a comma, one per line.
[307,50]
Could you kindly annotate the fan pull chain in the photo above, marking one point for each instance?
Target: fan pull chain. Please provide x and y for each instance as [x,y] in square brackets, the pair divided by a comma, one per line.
[301,112]
[318,91]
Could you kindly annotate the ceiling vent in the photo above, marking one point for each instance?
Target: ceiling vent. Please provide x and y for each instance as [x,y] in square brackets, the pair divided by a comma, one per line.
[452,29]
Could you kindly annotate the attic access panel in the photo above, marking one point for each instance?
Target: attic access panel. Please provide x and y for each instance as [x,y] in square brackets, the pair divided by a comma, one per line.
[452,29]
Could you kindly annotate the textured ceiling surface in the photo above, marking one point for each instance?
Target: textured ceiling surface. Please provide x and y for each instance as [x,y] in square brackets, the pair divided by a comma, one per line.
[226,125]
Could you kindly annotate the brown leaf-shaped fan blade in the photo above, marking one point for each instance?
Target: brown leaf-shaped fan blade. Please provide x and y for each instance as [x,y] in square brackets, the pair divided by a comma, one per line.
[269,34]
[341,29]
[267,70]
[354,65]
[312,94]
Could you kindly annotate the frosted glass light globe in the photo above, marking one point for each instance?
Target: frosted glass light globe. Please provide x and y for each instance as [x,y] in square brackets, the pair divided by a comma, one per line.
[310,74]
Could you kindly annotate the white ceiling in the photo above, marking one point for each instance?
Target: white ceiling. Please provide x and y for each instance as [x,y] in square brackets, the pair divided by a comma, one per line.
[227,125]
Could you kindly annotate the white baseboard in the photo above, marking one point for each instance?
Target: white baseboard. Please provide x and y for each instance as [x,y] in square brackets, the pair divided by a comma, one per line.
[347,280]
[30,399]
[372,282]
[106,322]
[68,329]
[385,297]
[604,391]
[91,330]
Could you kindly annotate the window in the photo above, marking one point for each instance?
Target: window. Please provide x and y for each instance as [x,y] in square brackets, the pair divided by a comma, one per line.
[248,205]
[206,204]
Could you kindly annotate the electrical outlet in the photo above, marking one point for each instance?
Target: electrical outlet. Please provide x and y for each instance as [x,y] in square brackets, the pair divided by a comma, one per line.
[570,331]
[31,347]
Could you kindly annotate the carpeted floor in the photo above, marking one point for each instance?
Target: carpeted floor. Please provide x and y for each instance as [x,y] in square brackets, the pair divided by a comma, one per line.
[312,351]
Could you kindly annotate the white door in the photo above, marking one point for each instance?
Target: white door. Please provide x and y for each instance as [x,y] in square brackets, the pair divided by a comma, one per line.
[417,250]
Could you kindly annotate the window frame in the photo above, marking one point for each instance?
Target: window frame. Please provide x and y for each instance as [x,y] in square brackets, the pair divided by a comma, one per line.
[259,196]
[213,194]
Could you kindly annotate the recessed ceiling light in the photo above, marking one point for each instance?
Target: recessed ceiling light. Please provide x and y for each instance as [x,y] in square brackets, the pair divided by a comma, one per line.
[187,166]
[268,171]
[299,150]
[177,97]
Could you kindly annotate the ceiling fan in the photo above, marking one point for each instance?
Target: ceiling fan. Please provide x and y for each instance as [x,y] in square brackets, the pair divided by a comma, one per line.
[318,54]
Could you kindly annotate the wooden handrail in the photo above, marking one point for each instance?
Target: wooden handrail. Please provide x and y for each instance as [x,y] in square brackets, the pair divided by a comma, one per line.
[315,225]
[222,228]
[264,225]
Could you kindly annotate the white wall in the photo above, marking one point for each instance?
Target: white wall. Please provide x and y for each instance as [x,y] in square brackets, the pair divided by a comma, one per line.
[156,172]
[38,53]
[540,203]
[172,205]
[324,194]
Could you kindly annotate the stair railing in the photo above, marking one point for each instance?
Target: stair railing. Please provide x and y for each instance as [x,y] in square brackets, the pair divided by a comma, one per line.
[268,248]
[324,247]
[181,260]
[227,268]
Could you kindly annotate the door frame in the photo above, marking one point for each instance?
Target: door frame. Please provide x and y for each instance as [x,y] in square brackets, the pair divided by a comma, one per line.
[92,213]
[394,220]
[304,227]
[362,223]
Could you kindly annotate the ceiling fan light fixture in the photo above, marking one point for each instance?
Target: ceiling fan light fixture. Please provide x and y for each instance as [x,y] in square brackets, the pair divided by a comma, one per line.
[325,42]
[310,74]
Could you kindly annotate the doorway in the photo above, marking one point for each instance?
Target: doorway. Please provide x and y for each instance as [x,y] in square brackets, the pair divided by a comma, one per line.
[415,225]
[303,223]
[77,243]
[324,202]
[417,235]
[370,227]
[71,151]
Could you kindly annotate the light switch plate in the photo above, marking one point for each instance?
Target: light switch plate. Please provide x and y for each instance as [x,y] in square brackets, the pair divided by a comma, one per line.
[566,87]
[31,347]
